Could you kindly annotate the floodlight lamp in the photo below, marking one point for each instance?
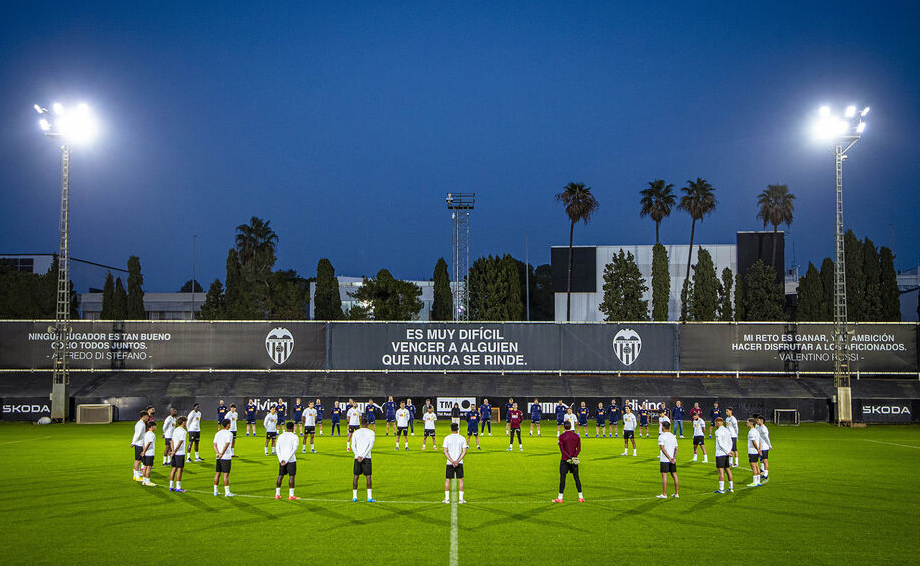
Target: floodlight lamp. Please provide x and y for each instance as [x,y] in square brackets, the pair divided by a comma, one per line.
[58,108]
[851,111]
[38,109]
[860,127]
[824,111]
[864,111]
[45,126]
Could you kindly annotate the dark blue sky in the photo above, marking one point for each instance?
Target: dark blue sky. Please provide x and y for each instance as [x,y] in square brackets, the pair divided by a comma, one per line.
[346,123]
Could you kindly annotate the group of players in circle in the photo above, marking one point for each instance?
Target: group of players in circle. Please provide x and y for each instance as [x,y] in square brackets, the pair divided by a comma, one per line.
[182,436]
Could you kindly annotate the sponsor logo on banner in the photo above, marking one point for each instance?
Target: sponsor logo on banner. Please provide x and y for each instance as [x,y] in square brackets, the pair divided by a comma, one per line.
[627,344]
[279,343]
[886,410]
[636,404]
[444,405]
[25,409]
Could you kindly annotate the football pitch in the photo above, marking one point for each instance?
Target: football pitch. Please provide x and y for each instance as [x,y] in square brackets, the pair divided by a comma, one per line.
[835,496]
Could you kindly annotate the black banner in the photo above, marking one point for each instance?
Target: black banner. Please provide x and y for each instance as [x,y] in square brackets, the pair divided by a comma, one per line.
[25,408]
[791,348]
[884,410]
[167,345]
[612,347]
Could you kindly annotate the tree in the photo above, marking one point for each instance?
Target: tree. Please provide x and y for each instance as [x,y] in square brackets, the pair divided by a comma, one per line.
[827,283]
[776,207]
[187,287]
[811,296]
[579,204]
[725,296]
[698,201]
[389,298]
[135,308]
[256,243]
[705,300]
[108,296]
[289,295]
[661,283]
[623,290]
[213,307]
[495,289]
[888,287]
[855,278]
[542,298]
[657,201]
[686,295]
[740,313]
[442,308]
[873,276]
[119,301]
[326,298]
[764,296]
[238,297]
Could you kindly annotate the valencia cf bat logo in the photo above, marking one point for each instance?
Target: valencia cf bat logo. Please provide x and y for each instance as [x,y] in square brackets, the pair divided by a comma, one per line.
[627,344]
[279,344]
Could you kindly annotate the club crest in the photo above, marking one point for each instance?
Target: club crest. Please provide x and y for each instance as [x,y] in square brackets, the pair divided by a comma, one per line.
[627,344]
[279,343]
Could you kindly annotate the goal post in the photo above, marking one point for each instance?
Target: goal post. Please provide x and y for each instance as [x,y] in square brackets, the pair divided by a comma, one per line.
[94,413]
[786,417]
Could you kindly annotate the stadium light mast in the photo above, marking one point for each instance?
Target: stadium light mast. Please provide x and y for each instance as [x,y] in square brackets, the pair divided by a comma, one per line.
[843,133]
[460,205]
[66,127]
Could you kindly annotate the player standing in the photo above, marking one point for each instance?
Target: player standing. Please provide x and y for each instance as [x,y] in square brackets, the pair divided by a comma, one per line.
[149,451]
[309,426]
[370,414]
[169,425]
[281,411]
[429,419]
[508,406]
[221,412]
[318,405]
[663,418]
[455,447]
[455,414]
[335,416]
[194,430]
[389,411]
[678,415]
[536,415]
[696,410]
[765,447]
[485,411]
[287,460]
[403,417]
[251,417]
[472,426]
[583,419]
[571,418]
[515,417]
[560,416]
[699,437]
[354,423]
[599,416]
[363,439]
[731,423]
[570,448]
[667,448]
[629,430]
[754,452]
[723,456]
[411,408]
[271,428]
[232,416]
[714,413]
[176,453]
[643,419]
[298,417]
[613,419]
[222,442]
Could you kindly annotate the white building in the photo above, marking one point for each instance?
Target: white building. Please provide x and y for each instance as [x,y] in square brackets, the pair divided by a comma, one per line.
[159,306]
[349,285]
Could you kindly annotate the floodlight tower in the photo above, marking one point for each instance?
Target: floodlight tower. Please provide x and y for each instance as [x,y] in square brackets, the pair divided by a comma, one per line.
[460,205]
[65,127]
[843,133]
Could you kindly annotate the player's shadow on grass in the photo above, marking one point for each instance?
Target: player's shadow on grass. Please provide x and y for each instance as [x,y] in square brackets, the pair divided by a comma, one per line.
[530,515]
[251,509]
[412,513]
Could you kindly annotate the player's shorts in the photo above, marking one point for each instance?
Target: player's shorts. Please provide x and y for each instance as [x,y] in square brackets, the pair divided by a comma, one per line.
[271,435]
[391,419]
[298,417]
[289,469]
[565,468]
[168,442]
[765,454]
[137,453]
[599,422]
[335,420]
[402,430]
[472,430]
[309,429]
[627,434]
[453,472]
[643,423]
[668,468]
[177,461]
[194,435]
[559,421]
[734,444]
[614,419]
[148,460]
[722,462]
[583,422]
[753,457]
[233,432]
[429,432]
[251,420]
[363,468]
[352,428]
[223,466]
[699,440]
[319,419]
[371,421]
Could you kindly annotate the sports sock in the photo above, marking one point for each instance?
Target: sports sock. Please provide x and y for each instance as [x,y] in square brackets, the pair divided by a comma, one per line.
[369,493]
[136,475]
[348,446]
[266,451]
[722,486]
[311,446]
[196,455]
[446,496]
[397,444]
[634,451]
[291,492]
[170,484]
[178,485]
[560,496]
[354,493]
[580,496]
[226,489]
[461,496]
[277,491]
[694,457]
[215,490]
[731,484]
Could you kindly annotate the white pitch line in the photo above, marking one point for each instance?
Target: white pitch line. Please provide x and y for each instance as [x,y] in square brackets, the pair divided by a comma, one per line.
[25,440]
[454,558]
[893,444]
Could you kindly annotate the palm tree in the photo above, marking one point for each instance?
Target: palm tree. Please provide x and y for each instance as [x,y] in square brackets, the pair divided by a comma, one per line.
[698,201]
[656,202]
[256,243]
[776,208]
[579,204]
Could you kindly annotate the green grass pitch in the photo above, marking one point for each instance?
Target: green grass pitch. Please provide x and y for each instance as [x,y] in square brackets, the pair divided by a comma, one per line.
[835,496]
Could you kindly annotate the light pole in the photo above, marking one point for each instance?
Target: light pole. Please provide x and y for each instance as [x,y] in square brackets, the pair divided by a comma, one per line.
[843,133]
[65,128]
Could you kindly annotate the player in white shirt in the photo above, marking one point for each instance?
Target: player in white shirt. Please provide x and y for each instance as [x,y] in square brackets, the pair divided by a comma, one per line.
[137,443]
[731,423]
[570,417]
[194,430]
[402,424]
[309,426]
[629,430]
[699,438]
[429,419]
[362,443]
[723,456]
[176,454]
[271,428]
[169,425]
[765,447]
[232,416]
[223,441]
[287,460]
[662,418]
[667,456]
[455,447]
[149,451]
[354,422]
[754,451]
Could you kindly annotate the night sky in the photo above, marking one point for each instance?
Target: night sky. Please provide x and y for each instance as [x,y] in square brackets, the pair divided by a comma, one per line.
[346,123]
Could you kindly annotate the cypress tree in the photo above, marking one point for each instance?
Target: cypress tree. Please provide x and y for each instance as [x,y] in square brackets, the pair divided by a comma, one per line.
[855,278]
[495,289]
[213,307]
[686,293]
[873,277]
[739,299]
[442,308]
[726,313]
[514,302]
[541,297]
[705,288]
[135,310]
[119,301]
[661,283]
[763,294]
[888,287]
[326,297]
[390,299]
[623,290]
[827,283]
[811,296]
[108,296]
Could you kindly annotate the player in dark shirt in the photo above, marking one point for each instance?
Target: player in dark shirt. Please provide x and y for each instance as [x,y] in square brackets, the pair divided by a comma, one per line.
[472,426]
[714,414]
[570,448]
[508,407]
[599,418]
[536,415]
[678,418]
[222,410]
[515,417]
[370,414]
[560,416]
[281,409]
[298,416]
[389,411]
[583,418]
[411,408]
[336,418]
[251,417]
[485,411]
[643,419]
[318,405]
[613,419]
